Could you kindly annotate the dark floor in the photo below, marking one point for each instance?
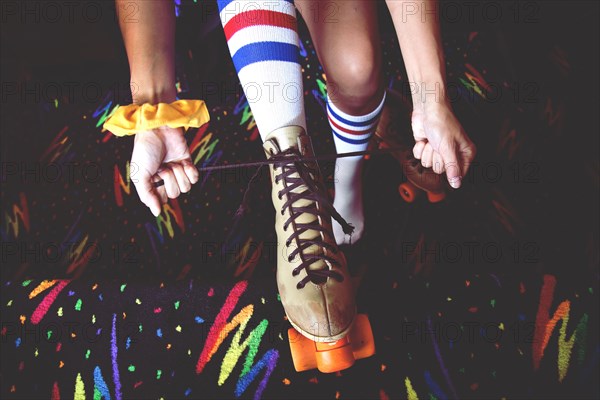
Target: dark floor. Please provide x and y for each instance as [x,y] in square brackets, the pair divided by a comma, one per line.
[492,293]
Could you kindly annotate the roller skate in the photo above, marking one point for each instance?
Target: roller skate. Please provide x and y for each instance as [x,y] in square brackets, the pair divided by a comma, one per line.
[315,287]
[394,131]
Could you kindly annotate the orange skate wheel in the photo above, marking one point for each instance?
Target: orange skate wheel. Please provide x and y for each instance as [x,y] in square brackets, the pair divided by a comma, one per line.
[334,356]
[361,337]
[436,197]
[408,191]
[303,351]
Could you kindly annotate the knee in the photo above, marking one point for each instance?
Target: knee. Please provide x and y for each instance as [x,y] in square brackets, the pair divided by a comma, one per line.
[355,83]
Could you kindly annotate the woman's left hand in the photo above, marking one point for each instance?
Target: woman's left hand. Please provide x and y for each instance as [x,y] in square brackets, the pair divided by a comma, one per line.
[441,141]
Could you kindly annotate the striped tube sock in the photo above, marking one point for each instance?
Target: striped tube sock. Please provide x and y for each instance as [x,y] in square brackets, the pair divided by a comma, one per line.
[263,41]
[350,133]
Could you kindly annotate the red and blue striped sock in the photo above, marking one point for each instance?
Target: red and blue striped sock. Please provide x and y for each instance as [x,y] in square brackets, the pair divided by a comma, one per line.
[263,41]
[350,133]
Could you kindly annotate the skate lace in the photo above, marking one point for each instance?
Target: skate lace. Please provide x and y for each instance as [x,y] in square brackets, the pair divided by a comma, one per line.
[290,163]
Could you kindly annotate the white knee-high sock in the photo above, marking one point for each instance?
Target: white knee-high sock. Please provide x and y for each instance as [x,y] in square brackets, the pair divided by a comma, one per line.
[263,42]
[350,133]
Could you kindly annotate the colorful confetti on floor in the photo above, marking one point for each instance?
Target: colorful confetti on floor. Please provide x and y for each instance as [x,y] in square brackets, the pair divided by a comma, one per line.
[492,293]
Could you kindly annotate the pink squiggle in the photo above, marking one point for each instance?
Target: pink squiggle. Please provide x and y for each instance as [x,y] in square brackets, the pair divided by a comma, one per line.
[45,304]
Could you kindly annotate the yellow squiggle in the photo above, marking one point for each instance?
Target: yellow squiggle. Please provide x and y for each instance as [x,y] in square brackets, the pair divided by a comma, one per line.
[201,143]
[79,388]
[236,349]
[18,213]
[121,183]
[565,346]
[165,220]
[410,392]
[221,329]
[246,115]
[475,81]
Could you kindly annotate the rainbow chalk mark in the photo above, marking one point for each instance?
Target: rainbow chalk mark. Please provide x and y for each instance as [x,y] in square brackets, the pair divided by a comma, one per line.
[45,284]
[79,258]
[236,349]
[505,212]
[410,392]
[164,220]
[79,388]
[58,148]
[434,387]
[320,94]
[114,352]
[243,107]
[204,148]
[475,81]
[544,327]
[247,268]
[247,116]
[55,392]
[172,208]
[219,332]
[100,386]
[19,212]
[42,308]
[509,139]
[122,184]
[102,113]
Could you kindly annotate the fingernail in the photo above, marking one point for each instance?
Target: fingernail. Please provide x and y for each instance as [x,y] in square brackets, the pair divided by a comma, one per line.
[455,182]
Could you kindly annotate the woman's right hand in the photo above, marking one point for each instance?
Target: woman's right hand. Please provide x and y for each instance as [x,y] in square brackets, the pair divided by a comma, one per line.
[161,153]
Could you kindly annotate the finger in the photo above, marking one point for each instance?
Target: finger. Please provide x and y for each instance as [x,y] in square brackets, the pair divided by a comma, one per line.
[171,186]
[427,156]
[418,149]
[417,127]
[438,163]
[453,170]
[182,180]
[148,194]
[159,185]
[191,171]
[467,156]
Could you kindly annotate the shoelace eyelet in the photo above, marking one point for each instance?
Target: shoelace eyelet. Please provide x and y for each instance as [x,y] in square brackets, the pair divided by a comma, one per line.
[290,163]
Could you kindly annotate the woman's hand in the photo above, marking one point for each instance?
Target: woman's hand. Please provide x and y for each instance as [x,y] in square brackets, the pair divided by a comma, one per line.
[441,141]
[158,154]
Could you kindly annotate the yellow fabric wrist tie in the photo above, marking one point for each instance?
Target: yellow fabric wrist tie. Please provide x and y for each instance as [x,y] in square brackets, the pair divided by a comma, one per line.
[128,120]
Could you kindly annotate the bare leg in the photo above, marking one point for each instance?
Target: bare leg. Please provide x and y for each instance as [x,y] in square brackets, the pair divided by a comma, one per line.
[348,45]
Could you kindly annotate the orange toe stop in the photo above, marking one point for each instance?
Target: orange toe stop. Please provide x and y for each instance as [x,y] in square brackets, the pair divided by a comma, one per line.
[334,356]
[303,351]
